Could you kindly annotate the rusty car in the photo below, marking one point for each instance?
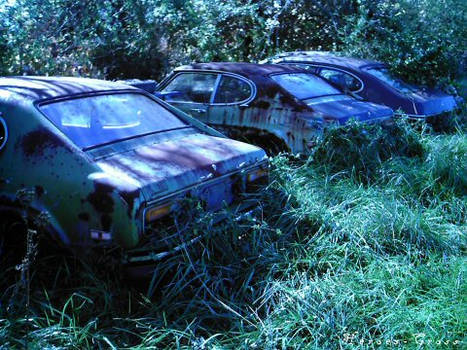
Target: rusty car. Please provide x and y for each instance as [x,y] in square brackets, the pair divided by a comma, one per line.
[372,81]
[110,164]
[279,108]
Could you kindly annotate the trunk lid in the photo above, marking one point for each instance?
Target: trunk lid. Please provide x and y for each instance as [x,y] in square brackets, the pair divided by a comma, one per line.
[160,169]
[432,102]
[343,108]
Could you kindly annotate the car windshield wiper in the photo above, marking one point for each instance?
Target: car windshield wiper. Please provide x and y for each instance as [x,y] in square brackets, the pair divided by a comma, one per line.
[133,137]
[313,97]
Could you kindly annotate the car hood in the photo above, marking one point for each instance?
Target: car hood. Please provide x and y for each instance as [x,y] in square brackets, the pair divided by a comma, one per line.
[432,102]
[344,109]
[157,170]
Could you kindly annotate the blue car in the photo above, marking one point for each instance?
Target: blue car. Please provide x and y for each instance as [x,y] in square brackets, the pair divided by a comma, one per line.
[372,81]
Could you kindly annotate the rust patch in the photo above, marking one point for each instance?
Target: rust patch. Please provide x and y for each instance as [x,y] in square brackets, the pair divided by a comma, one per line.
[129,197]
[261,104]
[100,199]
[37,141]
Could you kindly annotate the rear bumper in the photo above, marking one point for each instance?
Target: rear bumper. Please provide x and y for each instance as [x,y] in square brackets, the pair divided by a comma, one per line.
[444,114]
[140,262]
[424,114]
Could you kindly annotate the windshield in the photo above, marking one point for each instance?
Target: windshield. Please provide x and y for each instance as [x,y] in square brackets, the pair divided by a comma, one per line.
[304,85]
[96,120]
[389,78]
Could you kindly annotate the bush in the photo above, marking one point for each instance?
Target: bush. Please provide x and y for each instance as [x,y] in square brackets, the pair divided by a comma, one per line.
[360,149]
[424,41]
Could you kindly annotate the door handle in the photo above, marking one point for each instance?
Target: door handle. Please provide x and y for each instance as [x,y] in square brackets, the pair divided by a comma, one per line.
[199,110]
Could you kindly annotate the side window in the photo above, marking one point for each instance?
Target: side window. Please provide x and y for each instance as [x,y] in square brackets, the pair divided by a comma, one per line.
[191,87]
[341,79]
[3,132]
[232,90]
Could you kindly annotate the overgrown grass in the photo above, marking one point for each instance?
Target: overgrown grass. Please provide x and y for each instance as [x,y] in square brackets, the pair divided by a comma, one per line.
[359,246]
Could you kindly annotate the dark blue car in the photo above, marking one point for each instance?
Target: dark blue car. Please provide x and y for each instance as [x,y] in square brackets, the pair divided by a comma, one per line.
[372,81]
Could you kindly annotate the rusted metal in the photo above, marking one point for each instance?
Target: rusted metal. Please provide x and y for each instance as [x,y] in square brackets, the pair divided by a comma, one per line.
[273,113]
[101,192]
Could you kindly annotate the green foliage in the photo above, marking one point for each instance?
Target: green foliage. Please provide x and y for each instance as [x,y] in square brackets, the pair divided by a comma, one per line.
[327,258]
[362,241]
[361,149]
[423,40]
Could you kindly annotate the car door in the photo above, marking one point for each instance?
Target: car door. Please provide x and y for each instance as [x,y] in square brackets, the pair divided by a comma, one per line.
[192,92]
[230,105]
[345,80]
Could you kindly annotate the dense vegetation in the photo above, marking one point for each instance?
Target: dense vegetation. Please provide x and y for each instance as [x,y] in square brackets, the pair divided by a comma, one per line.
[361,244]
[422,39]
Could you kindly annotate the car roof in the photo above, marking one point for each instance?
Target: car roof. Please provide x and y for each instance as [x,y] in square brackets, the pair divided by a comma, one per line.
[38,88]
[325,57]
[242,68]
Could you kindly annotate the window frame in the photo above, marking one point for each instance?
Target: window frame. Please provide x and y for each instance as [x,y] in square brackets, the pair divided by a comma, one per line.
[320,67]
[362,85]
[239,77]
[220,74]
[216,84]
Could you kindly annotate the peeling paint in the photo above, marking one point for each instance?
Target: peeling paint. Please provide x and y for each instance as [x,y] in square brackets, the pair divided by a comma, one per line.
[107,189]
[274,112]
[36,142]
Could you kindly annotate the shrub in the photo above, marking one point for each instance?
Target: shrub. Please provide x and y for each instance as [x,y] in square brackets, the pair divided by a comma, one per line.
[360,149]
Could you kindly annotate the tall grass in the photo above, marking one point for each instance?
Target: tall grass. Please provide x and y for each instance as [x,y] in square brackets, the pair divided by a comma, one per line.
[362,245]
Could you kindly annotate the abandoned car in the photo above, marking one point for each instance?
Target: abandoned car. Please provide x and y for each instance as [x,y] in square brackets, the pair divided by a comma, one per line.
[278,107]
[110,163]
[372,81]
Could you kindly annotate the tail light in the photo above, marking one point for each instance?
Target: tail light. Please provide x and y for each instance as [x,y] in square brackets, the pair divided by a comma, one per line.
[256,177]
[256,174]
[154,213]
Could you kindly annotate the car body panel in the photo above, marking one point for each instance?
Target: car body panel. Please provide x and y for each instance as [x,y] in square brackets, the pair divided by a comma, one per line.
[418,102]
[350,108]
[432,102]
[107,188]
[272,111]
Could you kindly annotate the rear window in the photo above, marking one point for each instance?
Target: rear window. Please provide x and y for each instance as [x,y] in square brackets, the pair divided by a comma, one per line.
[96,120]
[305,86]
[382,73]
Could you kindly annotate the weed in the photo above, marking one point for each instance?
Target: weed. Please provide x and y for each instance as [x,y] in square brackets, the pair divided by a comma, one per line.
[359,246]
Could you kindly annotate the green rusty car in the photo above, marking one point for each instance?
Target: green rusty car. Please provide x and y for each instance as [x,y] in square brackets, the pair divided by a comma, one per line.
[110,164]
